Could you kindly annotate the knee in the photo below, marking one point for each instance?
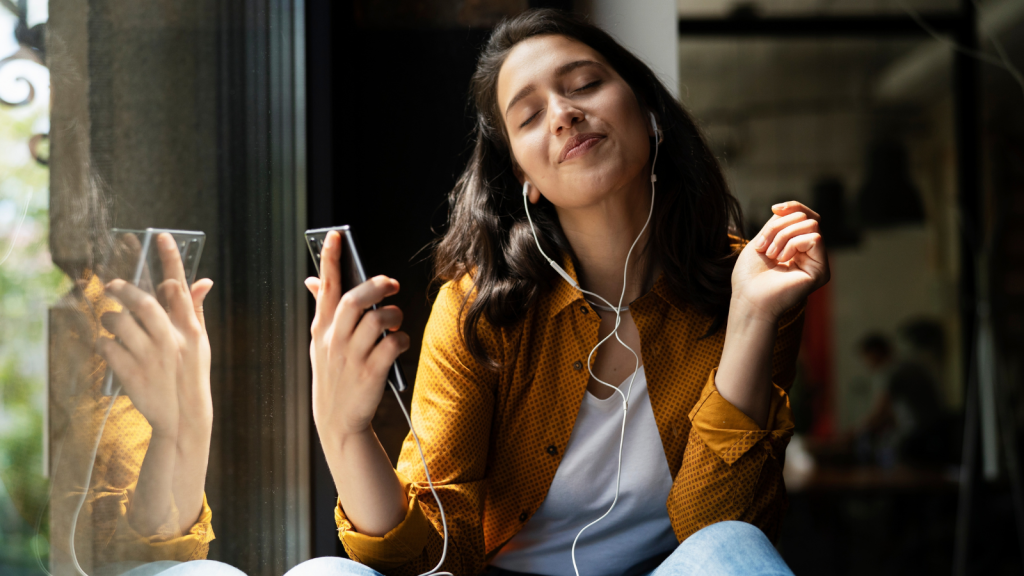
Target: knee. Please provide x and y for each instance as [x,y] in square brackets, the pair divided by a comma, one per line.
[331,566]
[200,568]
[730,549]
[729,532]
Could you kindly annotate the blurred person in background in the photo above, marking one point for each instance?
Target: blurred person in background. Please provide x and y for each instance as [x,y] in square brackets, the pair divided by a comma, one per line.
[908,423]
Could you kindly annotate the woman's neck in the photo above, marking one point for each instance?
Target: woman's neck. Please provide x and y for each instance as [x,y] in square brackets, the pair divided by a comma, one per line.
[601,236]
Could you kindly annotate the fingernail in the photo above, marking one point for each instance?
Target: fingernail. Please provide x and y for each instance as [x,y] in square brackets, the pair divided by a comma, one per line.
[770,252]
[758,242]
[779,207]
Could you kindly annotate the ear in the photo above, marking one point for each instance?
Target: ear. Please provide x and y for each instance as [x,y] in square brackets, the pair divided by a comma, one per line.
[534,194]
[654,127]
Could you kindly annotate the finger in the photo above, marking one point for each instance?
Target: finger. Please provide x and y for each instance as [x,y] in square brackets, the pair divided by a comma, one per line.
[313,285]
[176,301]
[767,234]
[805,243]
[200,289]
[153,317]
[387,351]
[778,246]
[787,208]
[133,337]
[330,279]
[121,361]
[167,248]
[358,299]
[371,326]
[814,262]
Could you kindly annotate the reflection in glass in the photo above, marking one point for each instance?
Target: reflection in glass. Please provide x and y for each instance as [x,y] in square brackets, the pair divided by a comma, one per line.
[132,464]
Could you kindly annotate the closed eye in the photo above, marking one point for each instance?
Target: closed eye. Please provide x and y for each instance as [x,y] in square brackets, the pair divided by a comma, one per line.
[587,87]
[593,84]
[530,119]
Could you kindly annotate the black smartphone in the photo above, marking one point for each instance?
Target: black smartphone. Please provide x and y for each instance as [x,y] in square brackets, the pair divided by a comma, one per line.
[352,274]
[132,256]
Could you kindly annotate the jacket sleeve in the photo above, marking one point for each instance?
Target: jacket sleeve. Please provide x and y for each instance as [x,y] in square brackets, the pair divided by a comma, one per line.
[452,408]
[168,544]
[732,469]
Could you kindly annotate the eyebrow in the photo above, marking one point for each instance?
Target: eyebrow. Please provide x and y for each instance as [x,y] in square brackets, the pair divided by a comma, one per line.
[560,72]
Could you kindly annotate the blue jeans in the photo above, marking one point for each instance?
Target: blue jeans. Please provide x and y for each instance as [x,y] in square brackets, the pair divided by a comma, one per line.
[722,549]
[173,568]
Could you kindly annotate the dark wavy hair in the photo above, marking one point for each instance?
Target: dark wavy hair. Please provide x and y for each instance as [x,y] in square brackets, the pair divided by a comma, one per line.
[488,236]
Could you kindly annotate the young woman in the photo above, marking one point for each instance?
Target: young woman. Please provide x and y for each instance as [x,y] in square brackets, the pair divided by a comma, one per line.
[521,436]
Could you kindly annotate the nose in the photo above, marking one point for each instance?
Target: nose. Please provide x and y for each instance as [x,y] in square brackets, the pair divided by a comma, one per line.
[564,115]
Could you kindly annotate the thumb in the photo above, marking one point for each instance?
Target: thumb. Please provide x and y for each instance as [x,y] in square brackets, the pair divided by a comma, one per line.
[200,288]
[313,285]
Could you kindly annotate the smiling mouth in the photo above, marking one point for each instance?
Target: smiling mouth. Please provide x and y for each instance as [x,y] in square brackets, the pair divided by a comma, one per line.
[579,145]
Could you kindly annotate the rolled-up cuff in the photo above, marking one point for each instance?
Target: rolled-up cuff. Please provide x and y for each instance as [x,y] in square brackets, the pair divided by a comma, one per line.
[401,545]
[168,544]
[730,433]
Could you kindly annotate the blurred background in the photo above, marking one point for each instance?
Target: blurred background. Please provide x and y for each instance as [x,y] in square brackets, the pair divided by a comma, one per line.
[900,121]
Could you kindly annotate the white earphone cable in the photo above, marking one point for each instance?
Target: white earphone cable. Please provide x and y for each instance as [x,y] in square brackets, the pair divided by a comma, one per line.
[426,470]
[615,330]
[88,483]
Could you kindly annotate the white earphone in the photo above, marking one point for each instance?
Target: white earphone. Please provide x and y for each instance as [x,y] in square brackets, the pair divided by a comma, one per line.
[615,331]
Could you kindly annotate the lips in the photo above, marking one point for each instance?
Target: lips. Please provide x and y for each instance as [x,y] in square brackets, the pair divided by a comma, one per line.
[578,145]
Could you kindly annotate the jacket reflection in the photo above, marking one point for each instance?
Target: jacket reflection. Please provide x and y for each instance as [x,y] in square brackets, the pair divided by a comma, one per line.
[104,538]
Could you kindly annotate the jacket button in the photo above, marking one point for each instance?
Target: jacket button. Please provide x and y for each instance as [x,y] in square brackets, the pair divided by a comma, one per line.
[577,365]
[523,517]
[553,450]
[584,309]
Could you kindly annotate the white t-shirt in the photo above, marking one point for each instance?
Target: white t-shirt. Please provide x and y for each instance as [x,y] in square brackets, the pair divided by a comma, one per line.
[584,486]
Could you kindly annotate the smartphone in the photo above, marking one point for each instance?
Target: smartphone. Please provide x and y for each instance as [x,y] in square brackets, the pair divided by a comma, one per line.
[132,256]
[352,274]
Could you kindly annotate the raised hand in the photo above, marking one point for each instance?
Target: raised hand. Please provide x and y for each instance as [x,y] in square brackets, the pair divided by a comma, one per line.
[350,366]
[146,359]
[185,310]
[163,363]
[784,263]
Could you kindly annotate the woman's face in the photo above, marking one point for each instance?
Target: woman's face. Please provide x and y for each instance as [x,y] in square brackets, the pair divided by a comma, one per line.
[575,127]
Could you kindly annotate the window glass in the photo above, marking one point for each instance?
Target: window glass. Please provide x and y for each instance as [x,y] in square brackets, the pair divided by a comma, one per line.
[119,120]
[29,284]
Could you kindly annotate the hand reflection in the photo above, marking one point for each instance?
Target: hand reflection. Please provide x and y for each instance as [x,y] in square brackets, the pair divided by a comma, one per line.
[163,364]
[146,359]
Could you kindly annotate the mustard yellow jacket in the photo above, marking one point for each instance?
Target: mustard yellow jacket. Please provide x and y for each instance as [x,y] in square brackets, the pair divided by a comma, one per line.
[493,440]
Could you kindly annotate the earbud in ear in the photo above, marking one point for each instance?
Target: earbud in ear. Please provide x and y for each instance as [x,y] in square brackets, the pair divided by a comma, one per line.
[654,124]
[526,188]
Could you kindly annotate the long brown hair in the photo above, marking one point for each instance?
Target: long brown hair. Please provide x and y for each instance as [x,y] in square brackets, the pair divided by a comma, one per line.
[488,236]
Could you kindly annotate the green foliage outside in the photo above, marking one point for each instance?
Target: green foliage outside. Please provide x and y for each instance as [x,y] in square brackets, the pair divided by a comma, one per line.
[29,284]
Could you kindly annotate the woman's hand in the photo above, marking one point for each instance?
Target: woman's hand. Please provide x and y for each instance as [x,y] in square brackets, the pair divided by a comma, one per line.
[350,366]
[163,363]
[184,306]
[146,359]
[784,263]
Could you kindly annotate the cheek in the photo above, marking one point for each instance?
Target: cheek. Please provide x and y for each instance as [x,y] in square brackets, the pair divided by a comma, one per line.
[531,153]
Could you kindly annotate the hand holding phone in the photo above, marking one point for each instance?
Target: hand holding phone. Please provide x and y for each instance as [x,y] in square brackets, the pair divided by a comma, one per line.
[351,360]
[162,354]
